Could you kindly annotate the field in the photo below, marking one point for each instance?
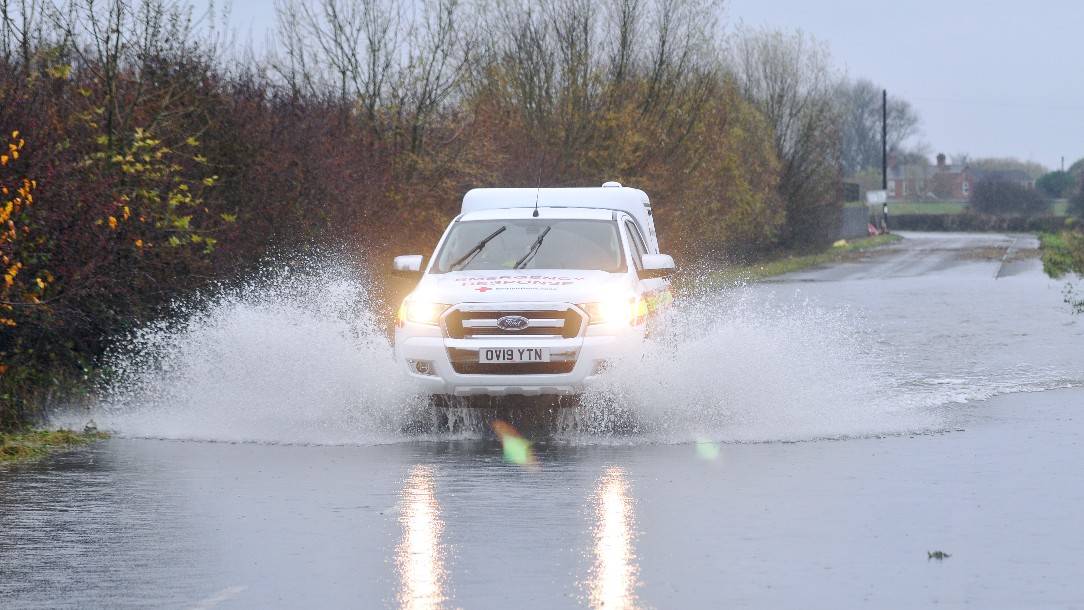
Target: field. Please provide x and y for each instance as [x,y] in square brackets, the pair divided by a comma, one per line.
[914,207]
[950,207]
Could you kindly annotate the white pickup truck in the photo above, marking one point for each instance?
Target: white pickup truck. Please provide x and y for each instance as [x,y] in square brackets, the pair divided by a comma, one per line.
[531,291]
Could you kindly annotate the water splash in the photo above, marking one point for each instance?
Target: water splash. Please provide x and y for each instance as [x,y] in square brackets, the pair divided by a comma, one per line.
[300,356]
[738,366]
[292,356]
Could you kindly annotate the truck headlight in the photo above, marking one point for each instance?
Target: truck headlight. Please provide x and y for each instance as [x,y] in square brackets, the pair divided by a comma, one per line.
[624,310]
[421,312]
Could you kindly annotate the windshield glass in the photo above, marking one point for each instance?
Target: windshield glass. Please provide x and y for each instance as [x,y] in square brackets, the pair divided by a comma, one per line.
[564,244]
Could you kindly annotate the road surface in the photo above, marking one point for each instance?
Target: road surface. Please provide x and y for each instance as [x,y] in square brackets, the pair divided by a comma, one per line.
[902,431]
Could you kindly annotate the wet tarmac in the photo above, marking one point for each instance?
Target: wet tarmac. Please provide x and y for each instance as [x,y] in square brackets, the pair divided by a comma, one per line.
[977,504]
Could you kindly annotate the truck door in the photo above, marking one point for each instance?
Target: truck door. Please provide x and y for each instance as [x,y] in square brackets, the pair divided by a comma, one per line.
[654,292]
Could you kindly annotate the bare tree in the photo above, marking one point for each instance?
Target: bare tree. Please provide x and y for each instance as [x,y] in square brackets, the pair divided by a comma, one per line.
[295,66]
[436,65]
[581,73]
[522,53]
[21,32]
[789,78]
[682,45]
[861,114]
[622,37]
[345,48]
[396,64]
[683,68]
[126,47]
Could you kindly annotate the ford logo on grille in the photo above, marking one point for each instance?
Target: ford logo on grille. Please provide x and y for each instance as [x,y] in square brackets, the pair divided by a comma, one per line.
[512,323]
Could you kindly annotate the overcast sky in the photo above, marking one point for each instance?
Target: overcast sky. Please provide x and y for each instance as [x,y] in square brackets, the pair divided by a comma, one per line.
[988,78]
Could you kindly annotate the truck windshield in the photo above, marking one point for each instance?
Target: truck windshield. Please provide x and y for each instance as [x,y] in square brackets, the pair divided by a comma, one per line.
[565,244]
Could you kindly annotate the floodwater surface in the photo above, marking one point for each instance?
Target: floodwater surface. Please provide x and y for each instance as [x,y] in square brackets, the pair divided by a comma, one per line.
[899,431]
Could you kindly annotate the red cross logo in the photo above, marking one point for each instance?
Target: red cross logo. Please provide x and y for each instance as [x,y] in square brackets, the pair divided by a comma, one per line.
[483,289]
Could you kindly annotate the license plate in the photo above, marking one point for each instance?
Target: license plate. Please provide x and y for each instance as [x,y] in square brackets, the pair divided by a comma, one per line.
[513,355]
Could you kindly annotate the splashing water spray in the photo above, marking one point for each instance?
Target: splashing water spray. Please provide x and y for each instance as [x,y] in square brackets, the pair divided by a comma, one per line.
[299,356]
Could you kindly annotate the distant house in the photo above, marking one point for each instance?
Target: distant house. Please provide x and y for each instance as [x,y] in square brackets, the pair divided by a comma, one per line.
[908,181]
[943,182]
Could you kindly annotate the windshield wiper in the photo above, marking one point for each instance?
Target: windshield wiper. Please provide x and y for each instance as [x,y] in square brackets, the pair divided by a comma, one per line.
[534,249]
[466,258]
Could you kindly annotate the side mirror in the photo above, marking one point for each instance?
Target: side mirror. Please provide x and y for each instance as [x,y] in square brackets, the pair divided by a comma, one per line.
[657,265]
[408,266]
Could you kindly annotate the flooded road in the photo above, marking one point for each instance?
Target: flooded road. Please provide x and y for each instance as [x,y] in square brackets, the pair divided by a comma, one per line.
[812,441]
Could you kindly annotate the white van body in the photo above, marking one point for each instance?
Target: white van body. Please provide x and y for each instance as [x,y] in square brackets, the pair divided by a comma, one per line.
[531,291]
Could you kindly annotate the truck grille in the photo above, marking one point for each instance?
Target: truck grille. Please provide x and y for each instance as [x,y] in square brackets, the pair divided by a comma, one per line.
[466,324]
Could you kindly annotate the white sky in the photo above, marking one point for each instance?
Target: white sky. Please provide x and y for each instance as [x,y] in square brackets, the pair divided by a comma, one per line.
[988,78]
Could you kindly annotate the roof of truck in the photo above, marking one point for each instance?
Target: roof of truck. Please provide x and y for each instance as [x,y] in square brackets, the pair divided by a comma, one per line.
[616,197]
[528,213]
[610,196]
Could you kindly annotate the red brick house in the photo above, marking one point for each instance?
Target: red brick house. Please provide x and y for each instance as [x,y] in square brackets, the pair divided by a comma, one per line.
[943,182]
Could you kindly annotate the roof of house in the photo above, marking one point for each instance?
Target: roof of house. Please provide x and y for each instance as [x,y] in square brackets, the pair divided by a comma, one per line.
[927,172]
[912,172]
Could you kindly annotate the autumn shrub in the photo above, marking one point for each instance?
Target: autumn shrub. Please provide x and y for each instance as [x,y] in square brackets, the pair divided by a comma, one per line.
[724,201]
[105,228]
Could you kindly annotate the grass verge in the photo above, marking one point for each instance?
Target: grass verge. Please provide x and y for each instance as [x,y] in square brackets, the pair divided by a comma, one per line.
[841,251]
[36,444]
[1063,253]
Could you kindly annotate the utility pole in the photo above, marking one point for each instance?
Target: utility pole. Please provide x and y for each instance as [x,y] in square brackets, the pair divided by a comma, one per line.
[884,156]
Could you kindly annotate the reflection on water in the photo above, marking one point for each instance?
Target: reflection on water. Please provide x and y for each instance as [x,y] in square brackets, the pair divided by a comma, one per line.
[420,554]
[613,576]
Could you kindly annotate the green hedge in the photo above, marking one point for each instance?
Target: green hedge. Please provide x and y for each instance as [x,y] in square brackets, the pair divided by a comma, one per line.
[970,221]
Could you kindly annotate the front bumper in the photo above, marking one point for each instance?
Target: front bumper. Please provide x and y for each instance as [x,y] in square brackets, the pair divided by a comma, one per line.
[444,359]
[582,358]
